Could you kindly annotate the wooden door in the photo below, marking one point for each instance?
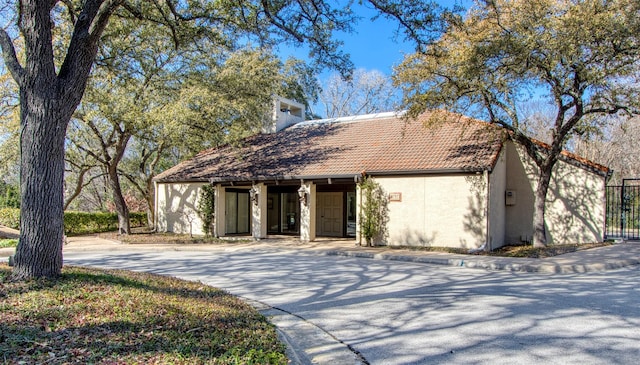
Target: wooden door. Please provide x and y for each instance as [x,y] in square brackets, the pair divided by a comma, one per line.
[329,215]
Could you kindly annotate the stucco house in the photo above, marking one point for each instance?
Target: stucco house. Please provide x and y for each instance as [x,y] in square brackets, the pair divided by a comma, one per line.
[461,184]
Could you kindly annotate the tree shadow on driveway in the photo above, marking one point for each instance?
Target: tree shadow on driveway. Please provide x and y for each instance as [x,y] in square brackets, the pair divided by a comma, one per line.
[410,313]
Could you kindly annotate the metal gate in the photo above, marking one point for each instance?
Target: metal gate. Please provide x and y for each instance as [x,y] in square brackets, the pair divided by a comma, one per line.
[623,210]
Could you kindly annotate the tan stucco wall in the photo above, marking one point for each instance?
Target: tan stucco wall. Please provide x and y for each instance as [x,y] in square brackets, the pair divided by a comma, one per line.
[519,216]
[176,208]
[576,206]
[497,209]
[575,201]
[440,210]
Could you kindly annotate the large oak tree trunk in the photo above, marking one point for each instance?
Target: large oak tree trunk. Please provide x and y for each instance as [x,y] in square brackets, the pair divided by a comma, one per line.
[39,252]
[47,101]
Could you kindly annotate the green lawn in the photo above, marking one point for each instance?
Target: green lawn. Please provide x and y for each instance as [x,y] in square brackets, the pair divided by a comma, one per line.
[119,317]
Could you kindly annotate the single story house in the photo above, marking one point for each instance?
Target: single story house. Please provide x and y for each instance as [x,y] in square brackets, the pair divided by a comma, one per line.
[460,184]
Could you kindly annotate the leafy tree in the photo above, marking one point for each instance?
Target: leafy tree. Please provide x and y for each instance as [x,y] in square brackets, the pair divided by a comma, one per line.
[52,83]
[220,103]
[365,92]
[582,54]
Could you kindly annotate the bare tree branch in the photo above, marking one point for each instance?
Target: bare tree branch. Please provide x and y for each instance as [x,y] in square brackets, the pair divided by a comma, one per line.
[10,57]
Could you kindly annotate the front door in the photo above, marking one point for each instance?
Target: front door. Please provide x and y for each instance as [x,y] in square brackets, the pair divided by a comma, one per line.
[237,212]
[330,214]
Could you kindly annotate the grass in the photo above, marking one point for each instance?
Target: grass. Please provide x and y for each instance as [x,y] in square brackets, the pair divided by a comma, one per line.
[118,317]
[8,242]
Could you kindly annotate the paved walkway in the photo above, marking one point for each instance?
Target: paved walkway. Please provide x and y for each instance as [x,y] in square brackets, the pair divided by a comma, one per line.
[308,344]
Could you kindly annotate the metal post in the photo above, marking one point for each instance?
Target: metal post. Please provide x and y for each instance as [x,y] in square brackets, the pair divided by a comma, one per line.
[622,209]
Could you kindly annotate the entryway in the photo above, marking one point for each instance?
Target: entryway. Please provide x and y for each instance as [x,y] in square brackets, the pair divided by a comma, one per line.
[329,216]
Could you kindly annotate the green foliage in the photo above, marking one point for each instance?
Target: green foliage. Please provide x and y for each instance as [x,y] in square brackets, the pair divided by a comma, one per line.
[84,223]
[504,52]
[106,316]
[205,208]
[10,217]
[78,222]
[374,212]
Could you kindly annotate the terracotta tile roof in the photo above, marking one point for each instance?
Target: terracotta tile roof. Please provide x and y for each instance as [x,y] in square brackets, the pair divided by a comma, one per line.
[385,144]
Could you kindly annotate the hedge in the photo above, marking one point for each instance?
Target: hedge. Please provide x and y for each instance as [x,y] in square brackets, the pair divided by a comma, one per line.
[79,222]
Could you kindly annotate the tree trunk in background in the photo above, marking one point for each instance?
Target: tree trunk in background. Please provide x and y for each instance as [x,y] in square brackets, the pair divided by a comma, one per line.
[124,225]
[151,204]
[540,196]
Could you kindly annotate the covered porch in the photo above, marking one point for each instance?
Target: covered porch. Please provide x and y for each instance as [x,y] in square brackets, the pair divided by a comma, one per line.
[303,208]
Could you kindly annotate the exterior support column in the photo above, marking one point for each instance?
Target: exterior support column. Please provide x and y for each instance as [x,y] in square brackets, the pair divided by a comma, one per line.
[259,211]
[219,204]
[308,211]
[358,211]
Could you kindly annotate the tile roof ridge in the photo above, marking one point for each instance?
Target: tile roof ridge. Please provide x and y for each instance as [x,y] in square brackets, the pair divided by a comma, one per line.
[568,154]
[351,118]
[565,154]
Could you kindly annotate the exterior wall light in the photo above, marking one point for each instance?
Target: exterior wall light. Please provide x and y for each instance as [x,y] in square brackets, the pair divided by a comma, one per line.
[255,196]
[302,193]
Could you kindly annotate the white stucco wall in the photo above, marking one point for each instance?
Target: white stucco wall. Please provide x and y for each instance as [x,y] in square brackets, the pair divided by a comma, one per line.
[176,208]
[437,210]
[308,213]
[575,206]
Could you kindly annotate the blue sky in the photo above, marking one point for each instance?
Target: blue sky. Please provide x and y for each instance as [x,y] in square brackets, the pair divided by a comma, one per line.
[373,45]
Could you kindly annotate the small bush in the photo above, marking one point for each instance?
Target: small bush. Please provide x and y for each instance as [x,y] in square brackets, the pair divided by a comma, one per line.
[138,219]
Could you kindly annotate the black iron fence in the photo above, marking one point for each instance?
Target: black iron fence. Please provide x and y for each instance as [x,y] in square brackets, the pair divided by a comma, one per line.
[623,210]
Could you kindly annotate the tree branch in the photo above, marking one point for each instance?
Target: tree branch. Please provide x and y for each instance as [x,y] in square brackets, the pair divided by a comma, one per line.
[10,58]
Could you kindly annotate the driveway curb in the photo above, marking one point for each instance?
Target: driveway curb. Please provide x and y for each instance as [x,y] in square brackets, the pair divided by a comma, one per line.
[574,263]
[306,343]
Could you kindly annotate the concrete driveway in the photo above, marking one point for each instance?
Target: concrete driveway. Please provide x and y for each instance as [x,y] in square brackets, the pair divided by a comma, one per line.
[391,312]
